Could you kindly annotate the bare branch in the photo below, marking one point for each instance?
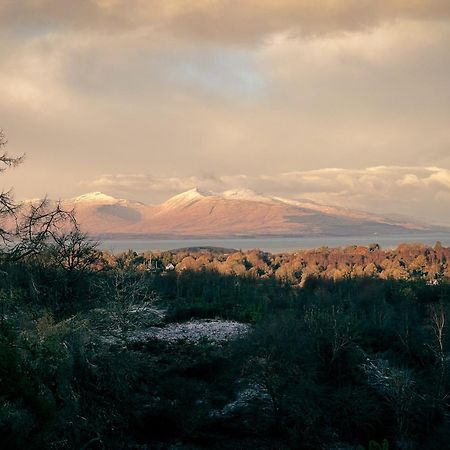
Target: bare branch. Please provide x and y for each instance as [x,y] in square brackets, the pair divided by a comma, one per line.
[38,227]
[29,229]
[7,161]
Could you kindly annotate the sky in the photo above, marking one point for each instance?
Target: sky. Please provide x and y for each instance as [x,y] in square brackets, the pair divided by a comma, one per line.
[344,102]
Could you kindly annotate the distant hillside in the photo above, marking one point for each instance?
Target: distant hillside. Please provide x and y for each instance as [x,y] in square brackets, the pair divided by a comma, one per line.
[237,213]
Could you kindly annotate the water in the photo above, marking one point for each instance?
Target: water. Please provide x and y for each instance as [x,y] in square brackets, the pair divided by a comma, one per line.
[273,245]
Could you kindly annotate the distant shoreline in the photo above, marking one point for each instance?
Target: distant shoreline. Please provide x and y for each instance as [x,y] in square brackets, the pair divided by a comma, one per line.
[271,244]
[172,237]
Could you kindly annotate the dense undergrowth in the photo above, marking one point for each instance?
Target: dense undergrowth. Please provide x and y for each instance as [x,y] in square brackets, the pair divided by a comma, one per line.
[333,364]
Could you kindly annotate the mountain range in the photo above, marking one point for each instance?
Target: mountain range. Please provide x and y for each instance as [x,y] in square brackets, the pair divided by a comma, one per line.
[234,213]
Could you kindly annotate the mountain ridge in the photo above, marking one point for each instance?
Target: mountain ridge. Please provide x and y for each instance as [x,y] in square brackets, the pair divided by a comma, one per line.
[232,213]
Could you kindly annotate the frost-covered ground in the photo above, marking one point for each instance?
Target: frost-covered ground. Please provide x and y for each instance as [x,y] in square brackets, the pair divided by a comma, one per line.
[194,331]
[141,323]
[243,399]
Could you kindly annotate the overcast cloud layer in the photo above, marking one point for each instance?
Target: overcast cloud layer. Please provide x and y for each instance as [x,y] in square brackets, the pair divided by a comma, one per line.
[162,96]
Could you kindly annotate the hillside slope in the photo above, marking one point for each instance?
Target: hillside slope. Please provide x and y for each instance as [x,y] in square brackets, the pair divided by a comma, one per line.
[229,214]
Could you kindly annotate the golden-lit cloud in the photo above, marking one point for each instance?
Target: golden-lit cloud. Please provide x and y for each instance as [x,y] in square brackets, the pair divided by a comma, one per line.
[185,90]
[422,192]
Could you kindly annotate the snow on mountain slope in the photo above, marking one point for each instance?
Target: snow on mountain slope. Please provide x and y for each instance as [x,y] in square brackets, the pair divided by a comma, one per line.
[95,197]
[245,194]
[238,212]
[333,210]
[183,199]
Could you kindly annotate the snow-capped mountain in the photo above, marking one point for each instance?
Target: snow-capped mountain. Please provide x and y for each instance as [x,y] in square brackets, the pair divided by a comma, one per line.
[97,197]
[232,213]
[184,199]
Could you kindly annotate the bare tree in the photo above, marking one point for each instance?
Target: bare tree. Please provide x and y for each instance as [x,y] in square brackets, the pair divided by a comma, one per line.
[437,320]
[129,306]
[8,208]
[38,227]
[397,385]
[73,250]
[26,229]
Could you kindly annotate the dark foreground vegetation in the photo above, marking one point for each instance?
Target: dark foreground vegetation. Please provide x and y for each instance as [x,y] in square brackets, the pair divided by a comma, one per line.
[341,349]
[334,364]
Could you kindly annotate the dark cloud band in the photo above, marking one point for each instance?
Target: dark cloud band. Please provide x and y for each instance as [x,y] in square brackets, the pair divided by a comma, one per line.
[219,20]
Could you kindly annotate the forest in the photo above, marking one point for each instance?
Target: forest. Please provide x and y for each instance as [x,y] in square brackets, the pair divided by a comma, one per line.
[87,358]
[407,261]
[333,349]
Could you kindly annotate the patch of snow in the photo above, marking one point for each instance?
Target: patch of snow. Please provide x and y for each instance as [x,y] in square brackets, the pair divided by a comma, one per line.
[245,194]
[310,205]
[217,331]
[147,310]
[332,210]
[32,200]
[184,199]
[386,379]
[94,197]
[243,399]
[301,204]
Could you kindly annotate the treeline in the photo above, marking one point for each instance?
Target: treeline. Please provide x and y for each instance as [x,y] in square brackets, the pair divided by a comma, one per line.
[407,261]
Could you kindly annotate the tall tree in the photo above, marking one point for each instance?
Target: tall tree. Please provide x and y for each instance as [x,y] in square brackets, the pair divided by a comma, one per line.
[27,228]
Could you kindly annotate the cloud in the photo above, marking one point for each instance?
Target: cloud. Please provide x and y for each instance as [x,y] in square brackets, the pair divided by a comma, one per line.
[440,178]
[413,191]
[218,20]
[146,184]
[283,88]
